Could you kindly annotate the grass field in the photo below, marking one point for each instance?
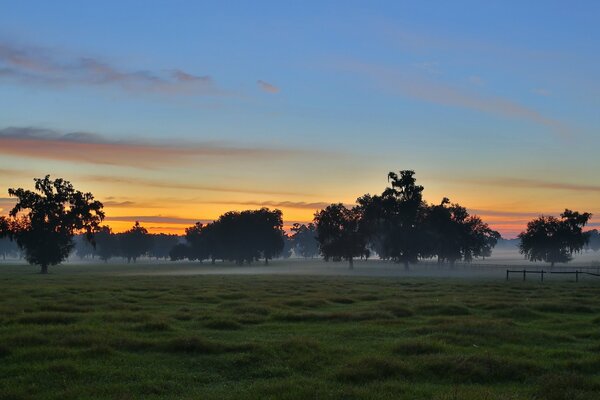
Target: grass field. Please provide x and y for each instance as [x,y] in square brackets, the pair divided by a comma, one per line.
[98,335]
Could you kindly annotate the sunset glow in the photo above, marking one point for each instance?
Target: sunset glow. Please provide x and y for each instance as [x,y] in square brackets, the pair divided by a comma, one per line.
[210,114]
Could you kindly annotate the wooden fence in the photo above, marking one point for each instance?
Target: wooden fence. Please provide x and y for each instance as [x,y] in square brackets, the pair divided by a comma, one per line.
[541,273]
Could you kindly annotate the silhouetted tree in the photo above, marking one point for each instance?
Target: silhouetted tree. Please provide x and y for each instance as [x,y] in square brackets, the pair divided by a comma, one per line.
[180,251]
[162,243]
[238,236]
[106,243]
[594,240]
[340,233]
[268,235]
[304,239]
[552,239]
[135,242]
[44,221]
[198,239]
[394,220]
[288,246]
[453,234]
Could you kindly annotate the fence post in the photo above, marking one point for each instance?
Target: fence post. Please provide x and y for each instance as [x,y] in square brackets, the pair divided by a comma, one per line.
[577,276]
[542,274]
[524,273]
[506,274]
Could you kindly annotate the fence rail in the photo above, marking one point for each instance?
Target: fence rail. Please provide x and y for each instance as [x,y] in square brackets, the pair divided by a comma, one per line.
[524,272]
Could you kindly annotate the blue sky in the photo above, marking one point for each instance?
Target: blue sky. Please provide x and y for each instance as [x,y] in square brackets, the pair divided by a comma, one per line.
[494,104]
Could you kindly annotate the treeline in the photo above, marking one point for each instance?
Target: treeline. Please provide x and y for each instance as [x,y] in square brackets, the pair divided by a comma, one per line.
[397,225]
[240,237]
[129,245]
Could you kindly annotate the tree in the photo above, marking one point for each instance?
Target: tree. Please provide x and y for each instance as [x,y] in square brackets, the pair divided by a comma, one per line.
[43,222]
[162,243]
[453,234]
[135,242]
[304,240]
[179,252]
[594,240]
[552,239]
[269,234]
[8,248]
[106,243]
[394,220]
[340,233]
[198,241]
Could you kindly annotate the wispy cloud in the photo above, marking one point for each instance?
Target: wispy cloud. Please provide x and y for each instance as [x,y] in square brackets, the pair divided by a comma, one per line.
[161,219]
[39,65]
[133,182]
[433,91]
[532,184]
[542,92]
[92,148]
[267,87]
[278,204]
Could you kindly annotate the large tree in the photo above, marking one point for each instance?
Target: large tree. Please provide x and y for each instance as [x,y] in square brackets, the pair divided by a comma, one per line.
[43,222]
[198,241]
[236,236]
[135,242]
[106,243]
[340,233]
[453,235]
[394,220]
[554,240]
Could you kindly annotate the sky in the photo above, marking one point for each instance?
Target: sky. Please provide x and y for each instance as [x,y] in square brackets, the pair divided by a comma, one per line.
[172,112]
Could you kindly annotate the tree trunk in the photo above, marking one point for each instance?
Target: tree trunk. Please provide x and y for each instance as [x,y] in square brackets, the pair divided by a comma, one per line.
[213,261]
[350,263]
[266,261]
[406,265]
[44,269]
[552,265]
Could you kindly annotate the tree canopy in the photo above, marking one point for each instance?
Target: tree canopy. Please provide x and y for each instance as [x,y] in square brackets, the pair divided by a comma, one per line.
[43,222]
[340,233]
[554,240]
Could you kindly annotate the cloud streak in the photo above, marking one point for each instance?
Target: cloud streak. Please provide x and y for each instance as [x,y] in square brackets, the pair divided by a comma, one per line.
[267,87]
[84,147]
[278,204]
[530,184]
[132,182]
[436,92]
[161,219]
[38,65]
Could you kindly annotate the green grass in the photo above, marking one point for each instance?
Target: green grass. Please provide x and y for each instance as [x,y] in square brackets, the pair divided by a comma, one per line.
[97,335]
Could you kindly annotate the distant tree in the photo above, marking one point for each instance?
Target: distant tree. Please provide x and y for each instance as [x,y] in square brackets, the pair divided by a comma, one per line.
[180,251]
[304,240]
[552,239]
[340,233]
[162,243]
[135,242]
[594,240]
[43,222]
[83,248]
[106,243]
[288,246]
[8,248]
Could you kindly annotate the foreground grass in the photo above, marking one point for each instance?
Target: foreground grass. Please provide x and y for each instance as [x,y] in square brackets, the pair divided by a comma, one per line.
[247,337]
